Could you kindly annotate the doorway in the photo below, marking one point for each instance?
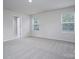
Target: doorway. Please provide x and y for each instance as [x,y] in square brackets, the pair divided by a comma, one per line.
[17,27]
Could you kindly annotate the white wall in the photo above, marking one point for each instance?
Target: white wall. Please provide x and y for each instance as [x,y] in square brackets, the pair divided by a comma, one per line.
[50,25]
[8,27]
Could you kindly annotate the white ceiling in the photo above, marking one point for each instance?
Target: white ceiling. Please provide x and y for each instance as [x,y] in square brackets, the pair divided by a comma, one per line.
[36,6]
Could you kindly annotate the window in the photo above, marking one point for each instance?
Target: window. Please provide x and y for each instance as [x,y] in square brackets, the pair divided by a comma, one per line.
[35,24]
[68,22]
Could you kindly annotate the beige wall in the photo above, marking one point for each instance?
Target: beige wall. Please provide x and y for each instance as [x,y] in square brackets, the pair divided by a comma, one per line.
[8,25]
[50,25]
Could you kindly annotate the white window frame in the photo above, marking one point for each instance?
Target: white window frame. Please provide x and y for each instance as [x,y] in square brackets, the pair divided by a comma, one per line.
[64,31]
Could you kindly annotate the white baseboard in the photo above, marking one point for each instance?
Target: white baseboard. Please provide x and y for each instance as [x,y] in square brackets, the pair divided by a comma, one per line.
[10,39]
[36,37]
[15,38]
[52,39]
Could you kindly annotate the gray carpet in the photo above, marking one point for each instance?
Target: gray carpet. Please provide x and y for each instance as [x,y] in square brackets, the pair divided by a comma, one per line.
[35,48]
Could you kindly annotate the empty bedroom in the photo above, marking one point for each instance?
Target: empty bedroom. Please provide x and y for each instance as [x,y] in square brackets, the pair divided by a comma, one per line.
[38,29]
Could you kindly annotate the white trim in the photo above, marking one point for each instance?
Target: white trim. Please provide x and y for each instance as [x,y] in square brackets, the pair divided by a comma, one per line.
[15,38]
[10,39]
[67,22]
[54,39]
